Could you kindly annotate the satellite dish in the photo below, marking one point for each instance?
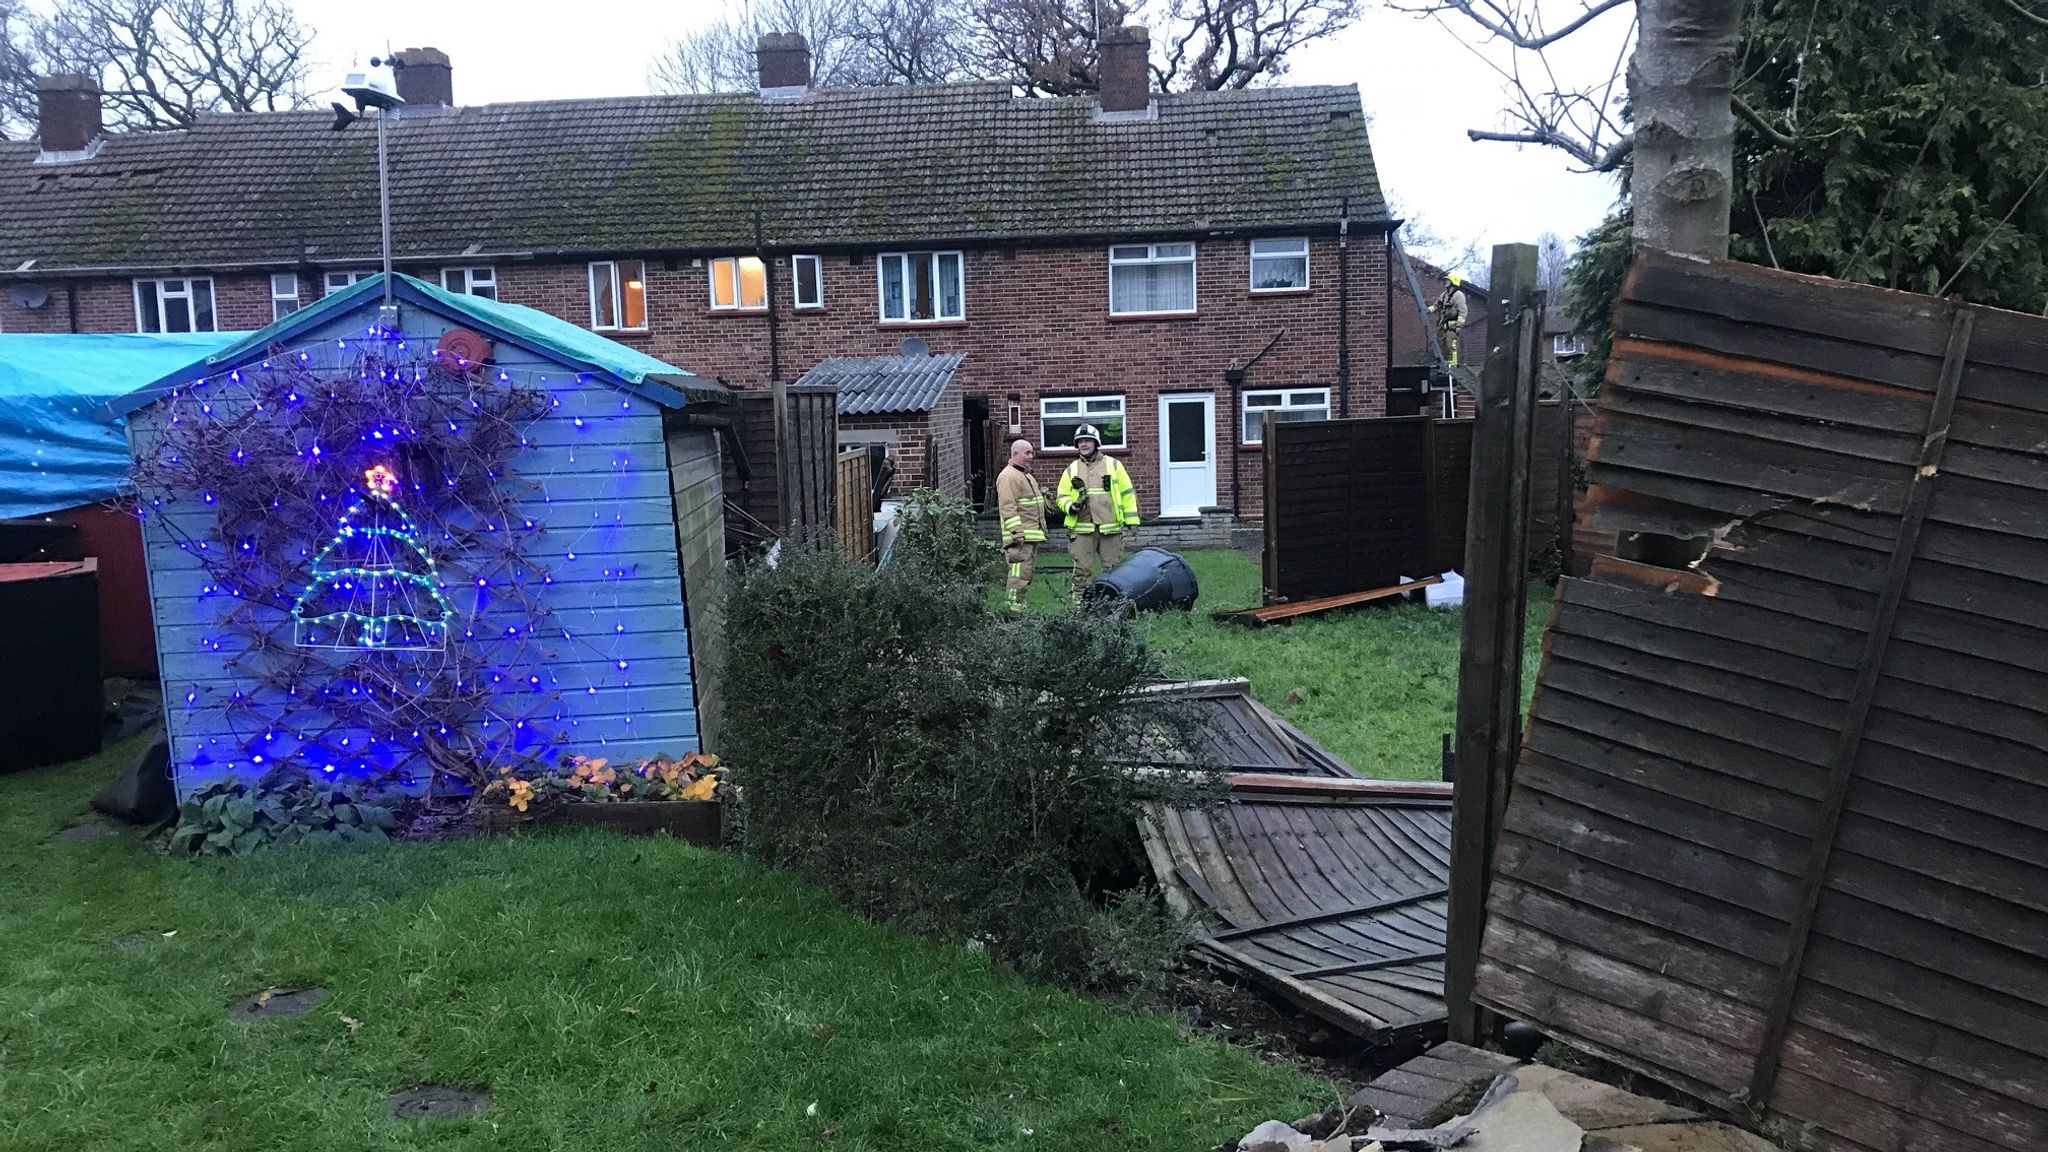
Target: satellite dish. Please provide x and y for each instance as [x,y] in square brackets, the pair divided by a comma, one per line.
[916,346]
[30,295]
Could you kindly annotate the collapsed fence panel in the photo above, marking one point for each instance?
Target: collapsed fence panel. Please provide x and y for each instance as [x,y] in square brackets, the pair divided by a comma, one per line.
[1778,833]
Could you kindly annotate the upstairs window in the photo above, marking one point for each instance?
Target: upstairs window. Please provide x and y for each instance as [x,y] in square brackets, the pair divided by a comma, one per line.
[336,281]
[1151,279]
[922,287]
[738,283]
[807,281]
[471,281]
[1059,416]
[1280,265]
[174,305]
[1284,404]
[284,294]
[618,295]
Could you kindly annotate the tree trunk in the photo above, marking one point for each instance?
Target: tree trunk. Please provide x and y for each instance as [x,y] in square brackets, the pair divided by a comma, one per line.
[1682,85]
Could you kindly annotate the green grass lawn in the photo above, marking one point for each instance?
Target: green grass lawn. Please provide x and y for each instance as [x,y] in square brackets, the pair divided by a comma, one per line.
[611,994]
[1377,684]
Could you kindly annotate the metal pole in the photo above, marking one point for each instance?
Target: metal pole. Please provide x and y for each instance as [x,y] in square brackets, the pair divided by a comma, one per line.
[384,199]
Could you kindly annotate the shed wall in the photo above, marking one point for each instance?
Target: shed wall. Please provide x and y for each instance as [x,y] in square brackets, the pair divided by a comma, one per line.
[617,683]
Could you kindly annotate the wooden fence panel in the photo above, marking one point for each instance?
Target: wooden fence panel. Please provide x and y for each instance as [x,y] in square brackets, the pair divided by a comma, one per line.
[1779,830]
[790,437]
[1348,504]
[853,516]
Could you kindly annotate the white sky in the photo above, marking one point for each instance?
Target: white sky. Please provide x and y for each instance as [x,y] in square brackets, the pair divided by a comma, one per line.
[1422,89]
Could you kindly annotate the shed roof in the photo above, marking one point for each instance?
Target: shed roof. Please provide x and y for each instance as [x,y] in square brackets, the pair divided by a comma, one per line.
[871,385]
[962,163]
[59,447]
[537,331]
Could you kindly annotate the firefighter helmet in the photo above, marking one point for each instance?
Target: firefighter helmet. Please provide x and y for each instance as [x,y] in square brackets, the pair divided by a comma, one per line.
[1087,432]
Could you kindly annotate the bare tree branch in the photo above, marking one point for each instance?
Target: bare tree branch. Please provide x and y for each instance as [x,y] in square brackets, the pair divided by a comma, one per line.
[2027,14]
[1509,24]
[1763,127]
[1606,161]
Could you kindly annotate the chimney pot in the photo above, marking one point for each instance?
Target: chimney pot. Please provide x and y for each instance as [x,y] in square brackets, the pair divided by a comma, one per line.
[425,78]
[1126,74]
[785,60]
[68,113]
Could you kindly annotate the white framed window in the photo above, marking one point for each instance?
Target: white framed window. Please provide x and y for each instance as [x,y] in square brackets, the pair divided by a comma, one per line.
[471,281]
[618,295]
[1058,416]
[1280,265]
[284,294]
[921,287]
[738,283]
[807,281]
[1151,279]
[182,304]
[1566,344]
[333,282]
[1284,404]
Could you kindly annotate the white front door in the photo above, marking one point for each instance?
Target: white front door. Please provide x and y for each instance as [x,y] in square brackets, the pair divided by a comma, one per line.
[1187,453]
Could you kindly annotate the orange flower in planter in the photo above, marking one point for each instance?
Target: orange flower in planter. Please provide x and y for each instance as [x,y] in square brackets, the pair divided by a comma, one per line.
[521,794]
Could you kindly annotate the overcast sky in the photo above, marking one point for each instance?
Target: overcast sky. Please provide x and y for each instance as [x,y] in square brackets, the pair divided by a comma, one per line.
[1422,89]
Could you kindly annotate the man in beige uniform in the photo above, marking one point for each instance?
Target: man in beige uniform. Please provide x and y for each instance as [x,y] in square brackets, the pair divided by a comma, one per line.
[1021,504]
[1096,494]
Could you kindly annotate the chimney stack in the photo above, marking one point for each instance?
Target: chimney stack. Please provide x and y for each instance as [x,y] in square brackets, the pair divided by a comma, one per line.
[67,113]
[785,59]
[425,78]
[1126,69]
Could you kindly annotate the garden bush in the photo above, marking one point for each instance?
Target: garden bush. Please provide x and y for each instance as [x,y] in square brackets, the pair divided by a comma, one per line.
[233,818]
[946,767]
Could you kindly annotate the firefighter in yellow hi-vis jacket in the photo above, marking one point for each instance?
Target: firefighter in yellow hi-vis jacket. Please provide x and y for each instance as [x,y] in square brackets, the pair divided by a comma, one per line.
[1096,494]
[1021,504]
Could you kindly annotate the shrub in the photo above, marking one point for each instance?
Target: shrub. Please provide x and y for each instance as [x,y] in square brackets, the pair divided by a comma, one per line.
[238,818]
[940,765]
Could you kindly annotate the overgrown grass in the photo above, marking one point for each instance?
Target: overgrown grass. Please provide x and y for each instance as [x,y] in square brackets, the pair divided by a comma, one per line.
[1377,685]
[609,993]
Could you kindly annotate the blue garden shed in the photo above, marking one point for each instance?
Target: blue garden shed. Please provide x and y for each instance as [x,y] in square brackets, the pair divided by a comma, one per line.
[414,540]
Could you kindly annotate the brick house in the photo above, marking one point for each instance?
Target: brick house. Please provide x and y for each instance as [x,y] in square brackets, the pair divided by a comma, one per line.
[1116,261]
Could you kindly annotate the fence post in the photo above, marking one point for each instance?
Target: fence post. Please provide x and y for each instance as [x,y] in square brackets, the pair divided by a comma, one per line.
[1496,583]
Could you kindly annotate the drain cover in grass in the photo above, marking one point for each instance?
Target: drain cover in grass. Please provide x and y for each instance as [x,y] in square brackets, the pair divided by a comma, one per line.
[274,1002]
[436,1102]
[90,828]
[135,941]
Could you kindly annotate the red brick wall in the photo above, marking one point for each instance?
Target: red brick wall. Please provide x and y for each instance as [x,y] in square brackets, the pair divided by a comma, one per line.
[1037,323]
[241,303]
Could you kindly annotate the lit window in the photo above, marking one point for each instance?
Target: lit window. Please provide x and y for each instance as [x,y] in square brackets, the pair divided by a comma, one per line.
[1279,265]
[1151,278]
[618,295]
[807,281]
[1565,344]
[738,283]
[1057,419]
[179,305]
[921,287]
[1286,404]
[284,294]
[471,281]
[336,281]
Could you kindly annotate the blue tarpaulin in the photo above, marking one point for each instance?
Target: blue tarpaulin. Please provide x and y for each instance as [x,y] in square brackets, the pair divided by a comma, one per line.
[59,443]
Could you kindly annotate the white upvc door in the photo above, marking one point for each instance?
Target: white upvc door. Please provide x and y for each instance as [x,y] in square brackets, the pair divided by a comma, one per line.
[1187,453]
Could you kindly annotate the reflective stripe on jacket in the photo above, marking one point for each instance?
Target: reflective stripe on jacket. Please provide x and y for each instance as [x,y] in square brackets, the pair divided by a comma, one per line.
[1021,504]
[1097,496]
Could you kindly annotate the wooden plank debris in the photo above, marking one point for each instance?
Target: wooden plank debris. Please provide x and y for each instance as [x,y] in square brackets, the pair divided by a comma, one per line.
[1778,833]
[1273,613]
[1328,892]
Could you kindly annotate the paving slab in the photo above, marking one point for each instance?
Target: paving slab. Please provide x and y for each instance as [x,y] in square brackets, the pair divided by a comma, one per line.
[1593,1105]
[1521,1121]
[1698,1136]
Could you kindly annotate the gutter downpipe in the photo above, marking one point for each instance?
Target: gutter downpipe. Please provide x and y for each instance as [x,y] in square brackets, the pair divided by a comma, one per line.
[1343,309]
[774,317]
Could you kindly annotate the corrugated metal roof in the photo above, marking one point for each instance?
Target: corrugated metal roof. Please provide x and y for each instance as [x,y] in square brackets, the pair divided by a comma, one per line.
[877,384]
[902,164]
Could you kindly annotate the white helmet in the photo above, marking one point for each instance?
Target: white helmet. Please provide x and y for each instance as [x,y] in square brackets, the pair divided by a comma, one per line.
[1087,432]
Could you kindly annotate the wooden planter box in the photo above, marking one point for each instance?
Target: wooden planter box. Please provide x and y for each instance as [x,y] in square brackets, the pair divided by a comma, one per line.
[696,821]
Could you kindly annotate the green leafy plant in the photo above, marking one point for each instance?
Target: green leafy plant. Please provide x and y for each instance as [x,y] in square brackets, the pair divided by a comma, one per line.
[238,818]
[943,767]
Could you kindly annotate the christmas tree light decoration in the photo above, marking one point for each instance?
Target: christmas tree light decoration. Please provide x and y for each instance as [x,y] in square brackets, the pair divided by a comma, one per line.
[374,584]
